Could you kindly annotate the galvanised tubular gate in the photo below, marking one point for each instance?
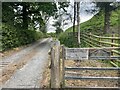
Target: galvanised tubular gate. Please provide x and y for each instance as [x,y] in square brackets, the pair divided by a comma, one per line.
[75,54]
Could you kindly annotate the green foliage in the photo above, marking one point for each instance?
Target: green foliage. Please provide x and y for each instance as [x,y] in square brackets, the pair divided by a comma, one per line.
[12,37]
[49,8]
[7,13]
[68,39]
[95,25]
[63,5]
[57,24]
[51,34]
[21,19]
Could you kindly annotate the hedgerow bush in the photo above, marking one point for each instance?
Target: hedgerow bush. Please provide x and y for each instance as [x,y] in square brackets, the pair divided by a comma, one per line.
[12,37]
[68,40]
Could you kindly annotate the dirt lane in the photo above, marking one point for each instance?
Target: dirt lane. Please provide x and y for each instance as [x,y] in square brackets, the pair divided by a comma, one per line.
[30,74]
[17,56]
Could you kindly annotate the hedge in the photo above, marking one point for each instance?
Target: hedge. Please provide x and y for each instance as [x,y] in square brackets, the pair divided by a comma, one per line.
[12,37]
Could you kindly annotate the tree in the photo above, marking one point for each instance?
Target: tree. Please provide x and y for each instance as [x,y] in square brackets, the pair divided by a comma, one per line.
[57,24]
[74,19]
[33,13]
[61,11]
[7,13]
[25,15]
[78,21]
[107,7]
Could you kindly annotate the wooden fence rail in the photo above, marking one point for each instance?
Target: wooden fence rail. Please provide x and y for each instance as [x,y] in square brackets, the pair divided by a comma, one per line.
[110,48]
[87,54]
[110,41]
[58,68]
[101,41]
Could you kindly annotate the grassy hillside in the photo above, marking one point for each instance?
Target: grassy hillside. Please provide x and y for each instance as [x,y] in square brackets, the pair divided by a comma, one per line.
[94,25]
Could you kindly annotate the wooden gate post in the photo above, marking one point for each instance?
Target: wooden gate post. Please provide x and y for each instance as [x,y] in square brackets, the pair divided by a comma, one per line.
[63,68]
[55,58]
[52,81]
[57,63]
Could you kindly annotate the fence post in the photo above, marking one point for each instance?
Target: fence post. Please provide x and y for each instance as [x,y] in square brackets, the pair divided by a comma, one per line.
[55,68]
[57,65]
[90,38]
[99,38]
[63,68]
[52,81]
[112,41]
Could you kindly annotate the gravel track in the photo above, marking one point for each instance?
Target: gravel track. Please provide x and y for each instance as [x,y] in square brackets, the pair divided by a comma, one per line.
[30,74]
[17,56]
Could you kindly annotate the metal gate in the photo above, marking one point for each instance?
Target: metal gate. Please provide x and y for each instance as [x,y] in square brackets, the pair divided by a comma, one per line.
[89,54]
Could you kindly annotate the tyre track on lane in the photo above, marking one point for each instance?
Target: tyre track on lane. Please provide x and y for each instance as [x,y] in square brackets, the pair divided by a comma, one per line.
[17,61]
[10,69]
[31,73]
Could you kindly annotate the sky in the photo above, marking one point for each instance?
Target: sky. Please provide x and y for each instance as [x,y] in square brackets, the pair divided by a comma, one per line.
[84,16]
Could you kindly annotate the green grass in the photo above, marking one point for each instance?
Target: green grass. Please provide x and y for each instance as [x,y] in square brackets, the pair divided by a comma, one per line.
[95,25]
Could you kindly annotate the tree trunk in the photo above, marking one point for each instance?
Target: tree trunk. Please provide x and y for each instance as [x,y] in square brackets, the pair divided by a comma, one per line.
[25,16]
[107,18]
[78,21]
[74,19]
